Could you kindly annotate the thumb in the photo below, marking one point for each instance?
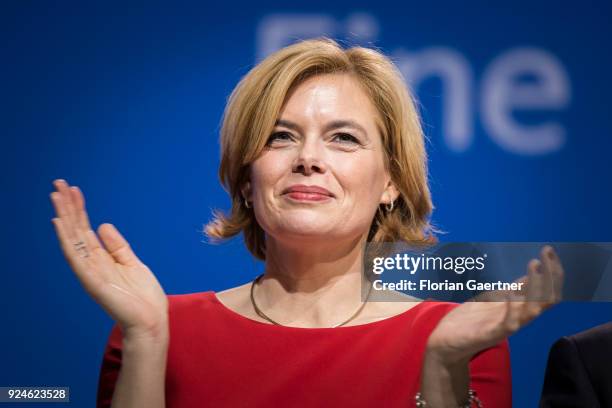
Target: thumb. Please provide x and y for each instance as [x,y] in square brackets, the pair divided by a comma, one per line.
[117,246]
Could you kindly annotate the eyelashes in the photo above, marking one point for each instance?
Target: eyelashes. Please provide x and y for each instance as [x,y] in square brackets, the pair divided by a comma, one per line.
[351,138]
[274,136]
[343,138]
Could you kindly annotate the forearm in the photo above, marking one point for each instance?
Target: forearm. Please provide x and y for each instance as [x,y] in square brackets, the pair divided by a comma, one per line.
[444,385]
[141,381]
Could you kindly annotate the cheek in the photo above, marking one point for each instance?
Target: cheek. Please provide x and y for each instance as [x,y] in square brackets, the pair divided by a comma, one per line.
[362,178]
[267,170]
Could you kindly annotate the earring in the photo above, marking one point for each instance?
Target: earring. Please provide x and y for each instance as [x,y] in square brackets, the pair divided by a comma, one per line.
[389,209]
[246,203]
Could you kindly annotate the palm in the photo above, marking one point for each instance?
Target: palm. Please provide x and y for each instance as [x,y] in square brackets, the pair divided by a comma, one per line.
[474,326]
[129,293]
[113,275]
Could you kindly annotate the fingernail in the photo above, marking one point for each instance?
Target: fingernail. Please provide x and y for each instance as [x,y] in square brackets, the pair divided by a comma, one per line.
[551,254]
[538,267]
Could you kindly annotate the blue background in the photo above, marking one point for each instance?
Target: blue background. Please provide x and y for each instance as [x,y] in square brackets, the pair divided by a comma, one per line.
[125,100]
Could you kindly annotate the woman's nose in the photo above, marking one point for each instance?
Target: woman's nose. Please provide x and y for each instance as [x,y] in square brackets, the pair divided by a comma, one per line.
[309,159]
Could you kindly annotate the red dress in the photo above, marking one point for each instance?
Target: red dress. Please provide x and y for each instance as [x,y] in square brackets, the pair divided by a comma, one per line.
[219,358]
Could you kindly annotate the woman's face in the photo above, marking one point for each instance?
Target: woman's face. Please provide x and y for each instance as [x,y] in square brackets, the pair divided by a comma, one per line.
[326,137]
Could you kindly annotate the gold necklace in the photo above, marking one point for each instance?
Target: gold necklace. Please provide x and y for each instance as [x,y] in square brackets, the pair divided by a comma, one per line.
[263,315]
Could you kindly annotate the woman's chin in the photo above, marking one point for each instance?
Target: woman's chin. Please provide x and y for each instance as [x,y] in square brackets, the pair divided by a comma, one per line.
[301,230]
[307,230]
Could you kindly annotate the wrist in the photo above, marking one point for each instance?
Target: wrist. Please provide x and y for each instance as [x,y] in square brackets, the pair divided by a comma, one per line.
[472,401]
[151,336]
[445,361]
[153,349]
[444,383]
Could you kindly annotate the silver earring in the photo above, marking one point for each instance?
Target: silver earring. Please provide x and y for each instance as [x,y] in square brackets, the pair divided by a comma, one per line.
[389,209]
[246,203]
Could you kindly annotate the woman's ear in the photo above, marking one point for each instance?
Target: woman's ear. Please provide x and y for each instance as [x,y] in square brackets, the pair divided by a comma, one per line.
[246,191]
[390,193]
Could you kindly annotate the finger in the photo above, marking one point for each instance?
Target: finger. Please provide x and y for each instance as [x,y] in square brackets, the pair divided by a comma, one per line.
[534,281]
[547,274]
[512,318]
[62,214]
[95,246]
[523,282]
[532,306]
[99,255]
[68,206]
[79,203]
[558,275]
[90,262]
[66,243]
[117,246]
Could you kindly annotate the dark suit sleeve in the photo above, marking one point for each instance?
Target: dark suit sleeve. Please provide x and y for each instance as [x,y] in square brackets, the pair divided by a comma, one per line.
[566,383]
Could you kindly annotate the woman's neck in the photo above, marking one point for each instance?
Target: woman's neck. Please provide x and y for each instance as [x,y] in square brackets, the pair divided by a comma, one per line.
[311,285]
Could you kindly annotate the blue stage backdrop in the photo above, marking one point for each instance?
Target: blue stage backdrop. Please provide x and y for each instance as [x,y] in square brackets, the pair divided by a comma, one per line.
[125,100]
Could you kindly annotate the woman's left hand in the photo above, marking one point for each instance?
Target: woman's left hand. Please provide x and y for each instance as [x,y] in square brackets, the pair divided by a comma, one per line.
[477,325]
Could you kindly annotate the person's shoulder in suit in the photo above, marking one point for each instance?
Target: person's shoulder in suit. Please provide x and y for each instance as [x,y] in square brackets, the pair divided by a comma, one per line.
[578,371]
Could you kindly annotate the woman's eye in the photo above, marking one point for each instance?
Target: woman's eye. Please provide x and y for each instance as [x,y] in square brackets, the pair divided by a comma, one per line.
[279,136]
[345,137]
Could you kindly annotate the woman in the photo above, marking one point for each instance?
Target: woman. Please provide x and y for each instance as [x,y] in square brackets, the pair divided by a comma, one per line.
[322,152]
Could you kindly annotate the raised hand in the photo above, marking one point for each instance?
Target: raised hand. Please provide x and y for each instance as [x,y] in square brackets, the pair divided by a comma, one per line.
[112,274]
[474,326]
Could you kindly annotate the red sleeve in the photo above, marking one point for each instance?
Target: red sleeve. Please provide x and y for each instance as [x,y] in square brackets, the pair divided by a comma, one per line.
[109,371]
[491,378]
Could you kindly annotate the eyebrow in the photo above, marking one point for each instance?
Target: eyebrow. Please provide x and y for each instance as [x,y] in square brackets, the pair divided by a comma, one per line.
[334,124]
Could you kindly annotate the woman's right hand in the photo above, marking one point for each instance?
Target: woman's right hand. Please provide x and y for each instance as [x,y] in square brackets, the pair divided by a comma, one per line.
[112,274]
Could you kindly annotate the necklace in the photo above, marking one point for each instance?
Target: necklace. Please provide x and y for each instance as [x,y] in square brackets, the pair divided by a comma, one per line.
[263,315]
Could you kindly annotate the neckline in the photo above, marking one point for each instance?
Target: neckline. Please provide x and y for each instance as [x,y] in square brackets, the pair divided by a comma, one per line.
[215,299]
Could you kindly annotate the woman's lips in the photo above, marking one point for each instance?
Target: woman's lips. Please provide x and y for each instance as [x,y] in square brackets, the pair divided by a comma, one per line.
[301,192]
[302,196]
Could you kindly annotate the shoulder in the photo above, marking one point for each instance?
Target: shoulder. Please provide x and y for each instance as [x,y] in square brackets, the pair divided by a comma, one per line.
[591,348]
[434,309]
[191,307]
[597,336]
[179,306]
[588,343]
[211,308]
[578,369]
[187,300]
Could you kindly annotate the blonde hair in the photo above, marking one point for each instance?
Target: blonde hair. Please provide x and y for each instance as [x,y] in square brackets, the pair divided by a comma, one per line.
[253,108]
